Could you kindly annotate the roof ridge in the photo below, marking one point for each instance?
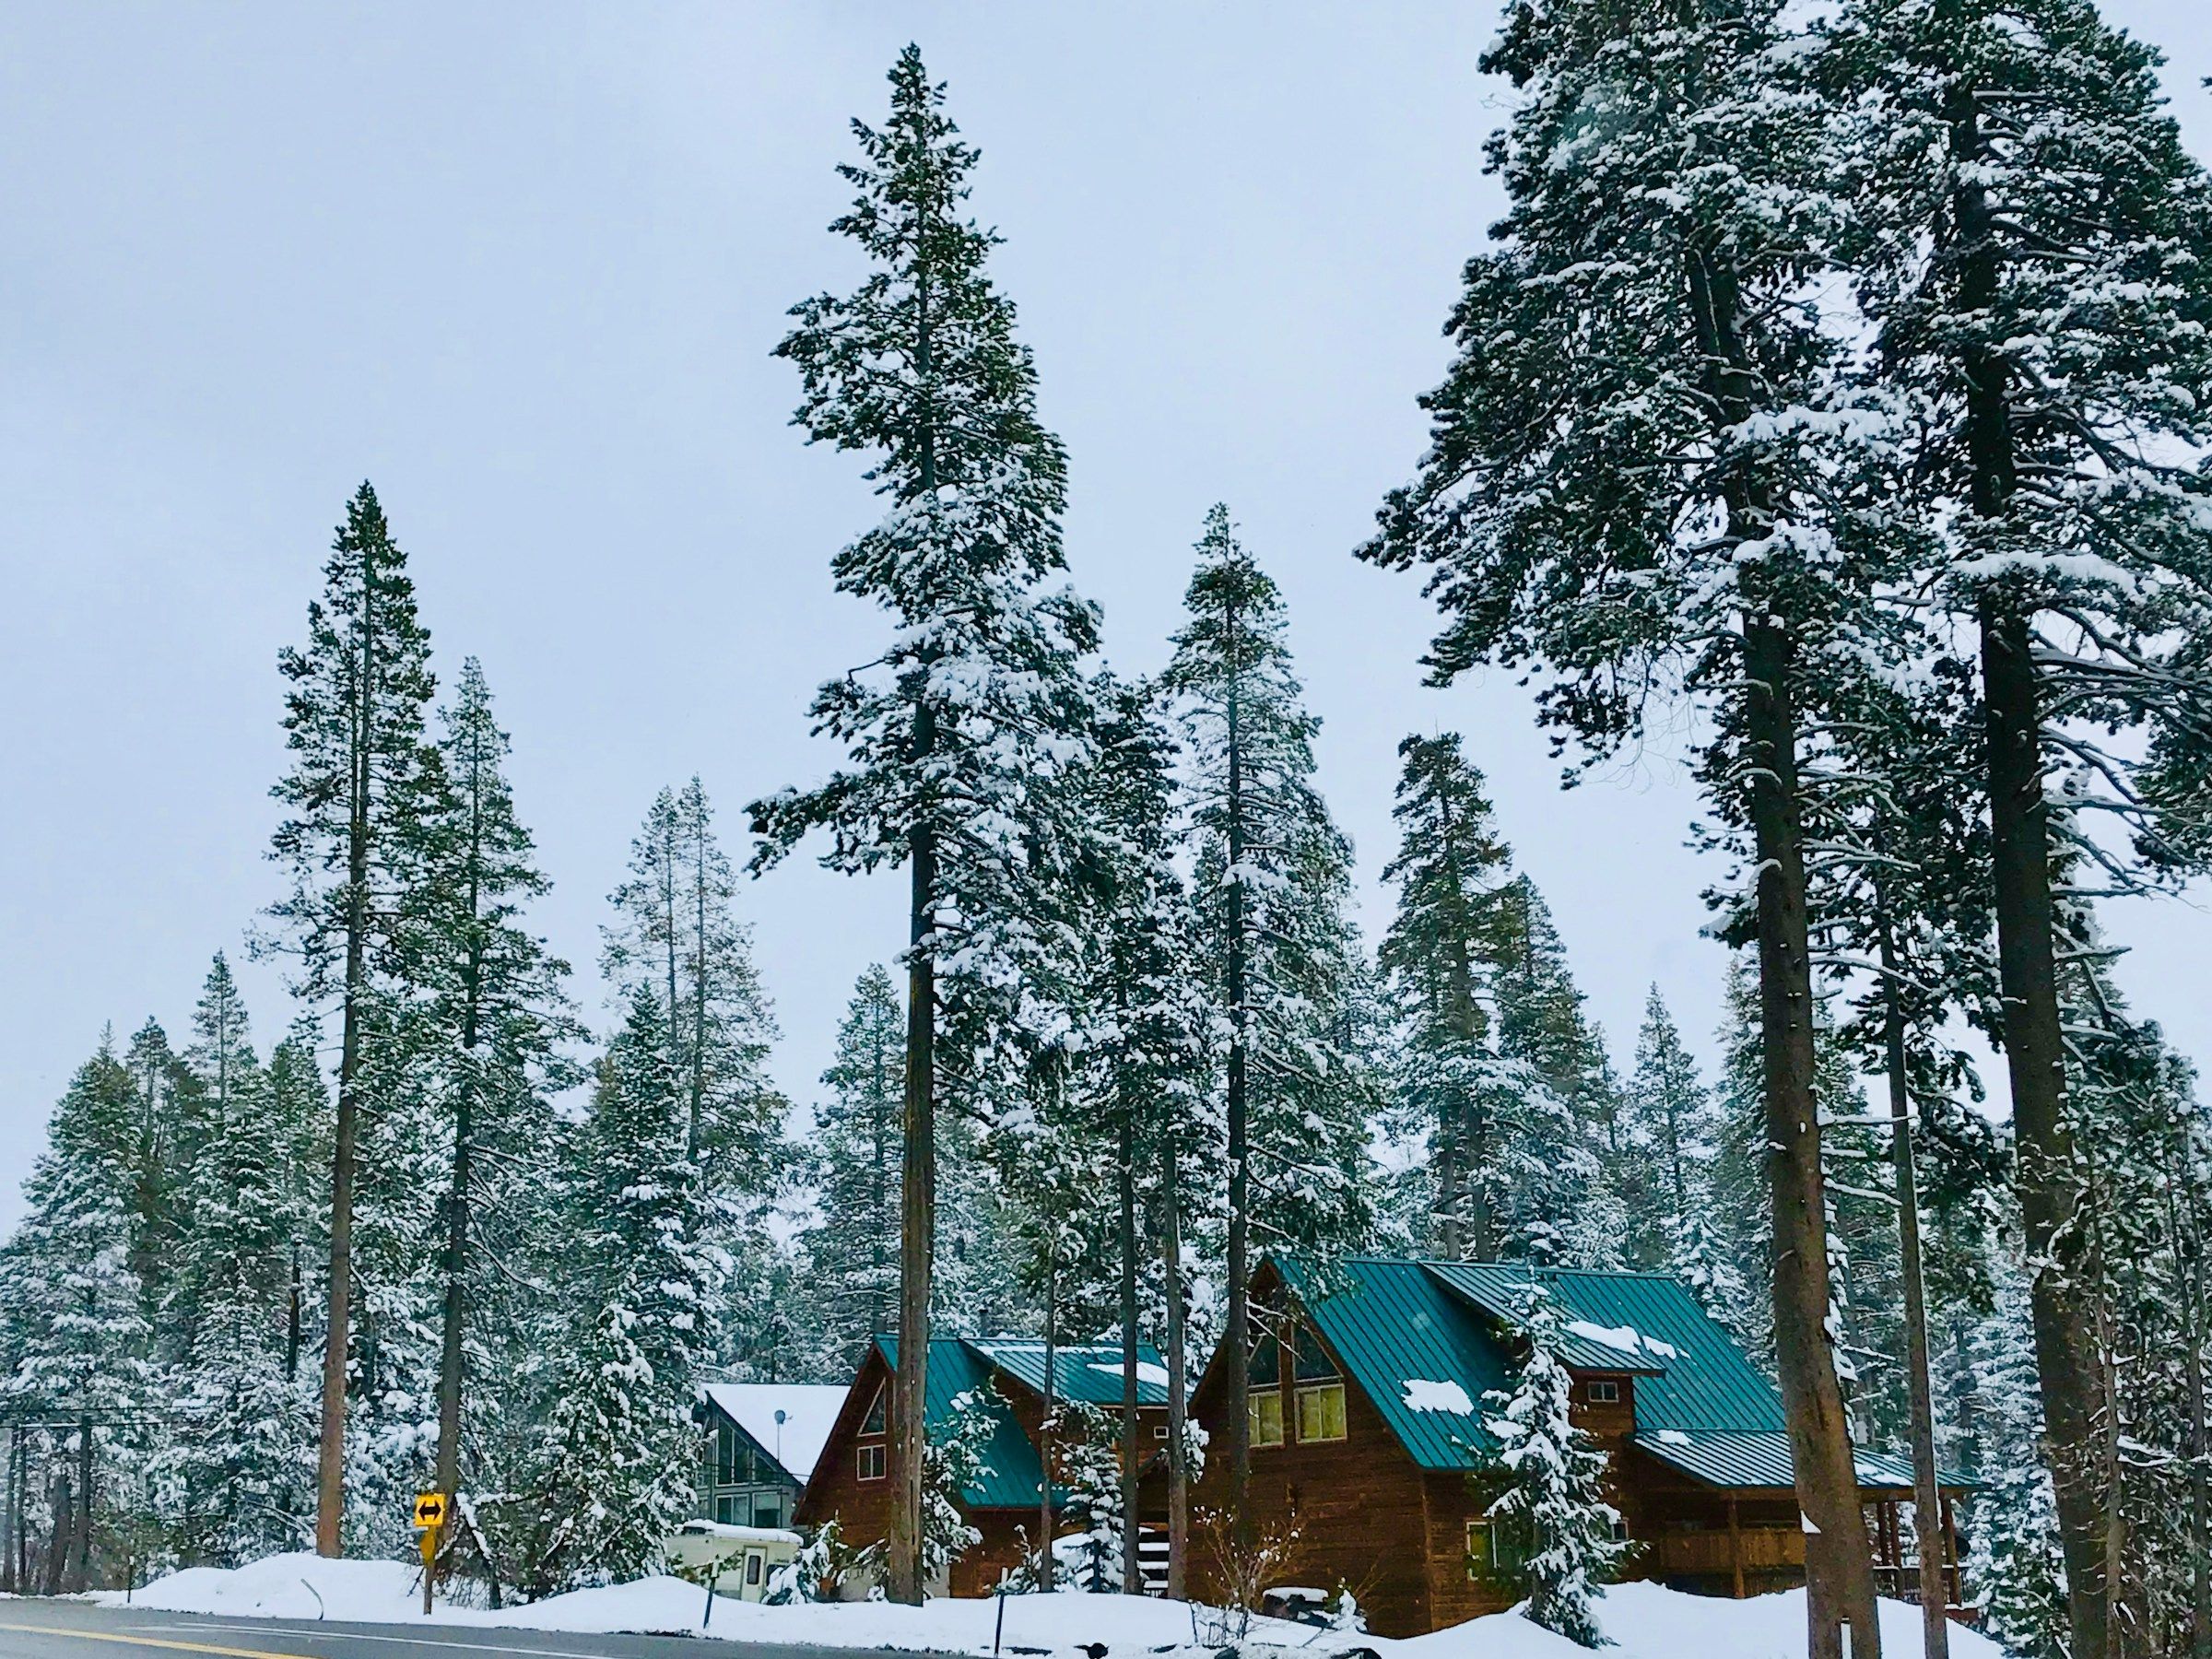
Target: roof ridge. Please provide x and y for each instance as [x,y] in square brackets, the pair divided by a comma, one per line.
[1425,1261]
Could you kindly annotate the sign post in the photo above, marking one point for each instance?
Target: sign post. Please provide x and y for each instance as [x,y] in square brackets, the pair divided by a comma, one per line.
[430,1520]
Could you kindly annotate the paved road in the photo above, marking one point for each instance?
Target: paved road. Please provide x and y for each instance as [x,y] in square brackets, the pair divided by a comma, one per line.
[37,1629]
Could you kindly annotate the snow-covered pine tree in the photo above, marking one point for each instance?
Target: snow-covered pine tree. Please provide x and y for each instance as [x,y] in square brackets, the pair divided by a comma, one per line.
[1272,891]
[1574,1175]
[1624,492]
[1671,1120]
[491,1031]
[1552,1512]
[676,931]
[238,1472]
[852,1247]
[353,722]
[1449,864]
[1145,1060]
[954,733]
[615,1458]
[2039,281]
[167,1088]
[2015,1567]
[78,1336]
[298,1105]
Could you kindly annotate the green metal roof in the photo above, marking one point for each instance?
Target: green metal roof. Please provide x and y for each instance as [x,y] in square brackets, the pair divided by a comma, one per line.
[1762,1459]
[1011,1472]
[1090,1371]
[1497,1289]
[1701,1407]
[1704,1380]
[1391,1324]
[959,1365]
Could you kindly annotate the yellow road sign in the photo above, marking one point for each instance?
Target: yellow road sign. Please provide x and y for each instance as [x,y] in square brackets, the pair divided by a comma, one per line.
[430,1510]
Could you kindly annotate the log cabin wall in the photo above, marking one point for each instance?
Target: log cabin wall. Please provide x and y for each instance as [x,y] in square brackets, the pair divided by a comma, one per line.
[1360,1505]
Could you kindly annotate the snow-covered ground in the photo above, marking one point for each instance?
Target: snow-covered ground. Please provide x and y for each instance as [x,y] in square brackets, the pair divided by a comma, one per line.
[1646,1622]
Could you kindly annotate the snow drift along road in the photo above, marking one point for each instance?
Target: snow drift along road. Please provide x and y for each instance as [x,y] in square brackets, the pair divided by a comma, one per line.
[1646,1621]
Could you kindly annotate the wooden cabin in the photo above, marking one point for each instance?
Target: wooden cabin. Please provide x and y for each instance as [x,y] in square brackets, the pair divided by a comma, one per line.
[759,1444]
[1366,1405]
[1007,1375]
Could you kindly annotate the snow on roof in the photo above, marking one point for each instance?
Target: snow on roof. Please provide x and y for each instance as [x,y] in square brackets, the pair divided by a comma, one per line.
[1422,1394]
[1146,1371]
[1627,1338]
[809,1411]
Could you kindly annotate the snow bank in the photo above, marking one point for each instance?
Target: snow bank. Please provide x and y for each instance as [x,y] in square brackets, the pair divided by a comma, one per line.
[1647,1622]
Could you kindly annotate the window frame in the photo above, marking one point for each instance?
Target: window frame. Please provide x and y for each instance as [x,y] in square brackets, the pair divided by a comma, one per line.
[1611,1387]
[875,1451]
[1314,1391]
[1253,1402]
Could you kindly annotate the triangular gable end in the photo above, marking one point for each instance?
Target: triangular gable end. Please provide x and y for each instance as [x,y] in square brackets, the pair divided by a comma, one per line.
[1423,1360]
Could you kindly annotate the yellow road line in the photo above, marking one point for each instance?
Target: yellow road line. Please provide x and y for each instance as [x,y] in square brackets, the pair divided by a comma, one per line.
[187,1647]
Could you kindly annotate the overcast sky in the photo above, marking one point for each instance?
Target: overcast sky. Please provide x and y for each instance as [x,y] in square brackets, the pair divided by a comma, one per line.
[523,265]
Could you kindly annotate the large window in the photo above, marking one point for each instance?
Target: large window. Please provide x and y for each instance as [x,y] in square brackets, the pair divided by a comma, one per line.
[872,1455]
[1320,1390]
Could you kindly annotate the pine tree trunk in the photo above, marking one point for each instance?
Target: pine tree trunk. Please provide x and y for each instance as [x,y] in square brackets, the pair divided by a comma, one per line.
[2044,1169]
[917,1219]
[2026,963]
[452,1359]
[1238,1335]
[64,1523]
[80,1565]
[1179,1479]
[9,1514]
[452,1348]
[1927,1501]
[293,1313]
[1048,1574]
[1839,1562]
[1132,1453]
[330,1454]
[1838,1559]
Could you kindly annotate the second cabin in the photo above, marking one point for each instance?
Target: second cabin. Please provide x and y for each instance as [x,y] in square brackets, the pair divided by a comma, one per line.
[1365,1410]
[1006,1379]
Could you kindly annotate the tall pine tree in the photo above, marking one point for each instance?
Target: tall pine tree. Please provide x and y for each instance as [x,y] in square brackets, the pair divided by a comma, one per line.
[354,724]
[952,733]
[1282,958]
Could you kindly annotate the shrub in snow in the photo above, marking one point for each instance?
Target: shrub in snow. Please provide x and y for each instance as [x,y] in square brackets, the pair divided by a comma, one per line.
[1092,1459]
[813,1573]
[1553,1504]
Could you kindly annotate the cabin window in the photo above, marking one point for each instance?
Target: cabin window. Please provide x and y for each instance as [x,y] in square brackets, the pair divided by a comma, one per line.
[879,1411]
[1321,1412]
[1266,1368]
[1320,1389]
[1312,1361]
[1264,1410]
[1159,1432]
[1493,1550]
[726,1511]
[873,1460]
[1603,1390]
